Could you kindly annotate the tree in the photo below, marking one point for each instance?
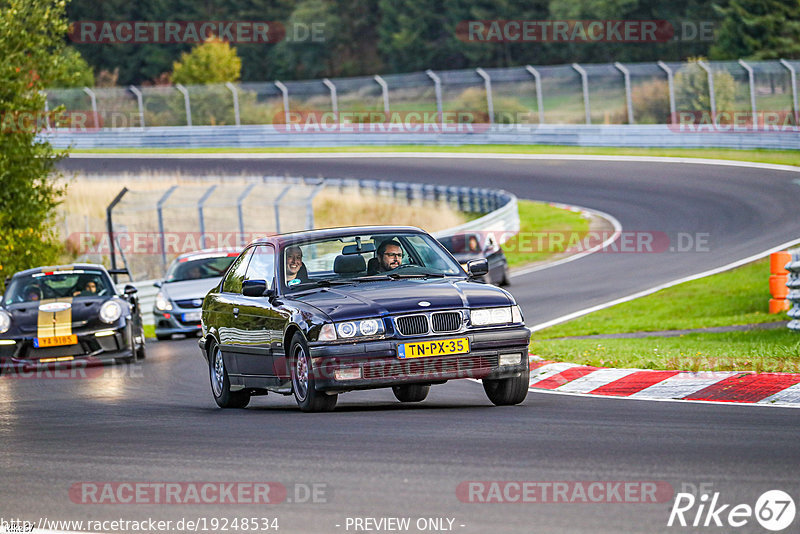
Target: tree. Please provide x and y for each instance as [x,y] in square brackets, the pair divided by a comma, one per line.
[214,61]
[758,29]
[31,45]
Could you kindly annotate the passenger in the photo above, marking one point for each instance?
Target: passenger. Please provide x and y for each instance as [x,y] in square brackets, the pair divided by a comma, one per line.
[32,292]
[89,290]
[474,246]
[390,256]
[295,270]
[194,273]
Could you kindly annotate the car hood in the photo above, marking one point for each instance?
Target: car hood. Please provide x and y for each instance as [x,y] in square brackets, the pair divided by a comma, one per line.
[370,299]
[189,289]
[82,312]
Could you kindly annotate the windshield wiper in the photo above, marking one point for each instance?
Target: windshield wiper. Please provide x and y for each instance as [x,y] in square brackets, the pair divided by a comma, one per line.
[397,276]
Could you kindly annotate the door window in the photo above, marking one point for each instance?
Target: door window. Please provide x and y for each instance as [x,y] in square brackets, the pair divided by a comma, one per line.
[233,282]
[262,265]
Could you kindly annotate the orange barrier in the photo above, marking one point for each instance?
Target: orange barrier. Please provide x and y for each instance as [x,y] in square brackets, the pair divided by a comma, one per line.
[778,261]
[779,305]
[777,282]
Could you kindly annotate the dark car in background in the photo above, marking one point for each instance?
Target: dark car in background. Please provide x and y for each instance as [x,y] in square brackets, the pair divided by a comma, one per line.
[68,313]
[472,246]
[189,277]
[323,312]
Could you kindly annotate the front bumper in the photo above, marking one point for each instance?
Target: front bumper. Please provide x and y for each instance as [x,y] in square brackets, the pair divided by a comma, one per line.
[172,321]
[90,349]
[379,365]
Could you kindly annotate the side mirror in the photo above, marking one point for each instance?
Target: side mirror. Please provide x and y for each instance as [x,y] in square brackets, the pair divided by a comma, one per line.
[477,268]
[130,290]
[157,284]
[256,288]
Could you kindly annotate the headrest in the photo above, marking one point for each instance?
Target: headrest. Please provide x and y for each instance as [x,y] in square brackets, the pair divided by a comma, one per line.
[349,264]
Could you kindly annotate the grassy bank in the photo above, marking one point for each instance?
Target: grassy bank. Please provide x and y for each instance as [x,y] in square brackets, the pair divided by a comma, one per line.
[737,297]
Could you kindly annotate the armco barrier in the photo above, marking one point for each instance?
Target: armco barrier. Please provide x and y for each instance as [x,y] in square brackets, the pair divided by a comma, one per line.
[501,217]
[794,289]
[255,136]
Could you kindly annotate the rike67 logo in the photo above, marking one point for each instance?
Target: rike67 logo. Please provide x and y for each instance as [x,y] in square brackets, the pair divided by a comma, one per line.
[774,510]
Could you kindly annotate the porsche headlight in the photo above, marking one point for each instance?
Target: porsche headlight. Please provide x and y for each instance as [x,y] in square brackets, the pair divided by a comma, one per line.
[110,311]
[367,327]
[5,321]
[162,302]
[491,316]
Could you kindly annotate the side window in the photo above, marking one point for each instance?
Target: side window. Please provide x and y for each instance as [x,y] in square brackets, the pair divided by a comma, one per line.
[233,282]
[262,266]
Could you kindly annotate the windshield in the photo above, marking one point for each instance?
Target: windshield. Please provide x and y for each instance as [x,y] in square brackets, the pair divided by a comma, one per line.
[361,258]
[462,244]
[58,285]
[199,268]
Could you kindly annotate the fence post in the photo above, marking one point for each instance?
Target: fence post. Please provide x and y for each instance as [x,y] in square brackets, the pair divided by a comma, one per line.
[628,96]
[233,90]
[752,81]
[310,205]
[539,99]
[437,85]
[110,228]
[133,89]
[160,214]
[277,205]
[334,99]
[200,214]
[186,103]
[95,115]
[793,74]
[487,83]
[285,91]
[711,93]
[385,93]
[671,85]
[239,202]
[585,84]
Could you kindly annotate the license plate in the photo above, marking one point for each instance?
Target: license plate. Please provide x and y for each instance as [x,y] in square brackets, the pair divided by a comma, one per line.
[424,349]
[191,317]
[55,341]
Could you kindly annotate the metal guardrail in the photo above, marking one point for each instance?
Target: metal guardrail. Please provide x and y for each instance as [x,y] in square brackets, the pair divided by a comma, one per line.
[794,289]
[655,135]
[500,219]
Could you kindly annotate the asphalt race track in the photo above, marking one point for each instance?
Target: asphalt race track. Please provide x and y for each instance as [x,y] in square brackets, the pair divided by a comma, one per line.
[375,458]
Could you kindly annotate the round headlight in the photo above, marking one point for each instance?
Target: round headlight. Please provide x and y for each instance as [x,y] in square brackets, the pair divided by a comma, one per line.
[346,329]
[162,302]
[369,327]
[5,321]
[110,311]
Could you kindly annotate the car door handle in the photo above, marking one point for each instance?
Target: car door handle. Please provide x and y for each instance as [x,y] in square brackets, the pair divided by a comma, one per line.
[235,312]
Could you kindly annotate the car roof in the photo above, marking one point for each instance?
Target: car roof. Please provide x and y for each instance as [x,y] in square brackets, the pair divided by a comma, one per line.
[311,235]
[209,252]
[70,267]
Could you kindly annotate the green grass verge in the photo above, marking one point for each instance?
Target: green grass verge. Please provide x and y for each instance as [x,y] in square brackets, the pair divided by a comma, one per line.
[736,297]
[536,218]
[755,350]
[785,157]
[150,331]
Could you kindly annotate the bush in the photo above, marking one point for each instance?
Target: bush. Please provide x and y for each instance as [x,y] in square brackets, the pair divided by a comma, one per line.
[22,249]
[691,88]
[651,102]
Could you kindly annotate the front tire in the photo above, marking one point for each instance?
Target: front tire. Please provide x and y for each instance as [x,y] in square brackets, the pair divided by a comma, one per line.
[411,392]
[303,380]
[508,391]
[221,384]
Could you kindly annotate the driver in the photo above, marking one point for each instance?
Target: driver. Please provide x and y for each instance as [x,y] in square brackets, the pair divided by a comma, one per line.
[89,290]
[390,256]
[295,270]
[32,292]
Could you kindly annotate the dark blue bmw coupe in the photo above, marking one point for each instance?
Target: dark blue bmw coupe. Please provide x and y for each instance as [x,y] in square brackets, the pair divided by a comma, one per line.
[323,312]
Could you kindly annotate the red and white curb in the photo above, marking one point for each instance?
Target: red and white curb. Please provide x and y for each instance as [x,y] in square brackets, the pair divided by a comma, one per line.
[770,389]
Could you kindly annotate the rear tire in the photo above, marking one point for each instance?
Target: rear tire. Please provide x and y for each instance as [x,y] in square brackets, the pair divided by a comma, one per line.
[411,392]
[508,391]
[221,384]
[303,380]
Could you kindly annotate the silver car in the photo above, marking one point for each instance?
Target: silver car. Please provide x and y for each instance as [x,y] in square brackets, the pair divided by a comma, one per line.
[180,298]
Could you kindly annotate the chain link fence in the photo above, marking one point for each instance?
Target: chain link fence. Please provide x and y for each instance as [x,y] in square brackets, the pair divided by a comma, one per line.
[614,93]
